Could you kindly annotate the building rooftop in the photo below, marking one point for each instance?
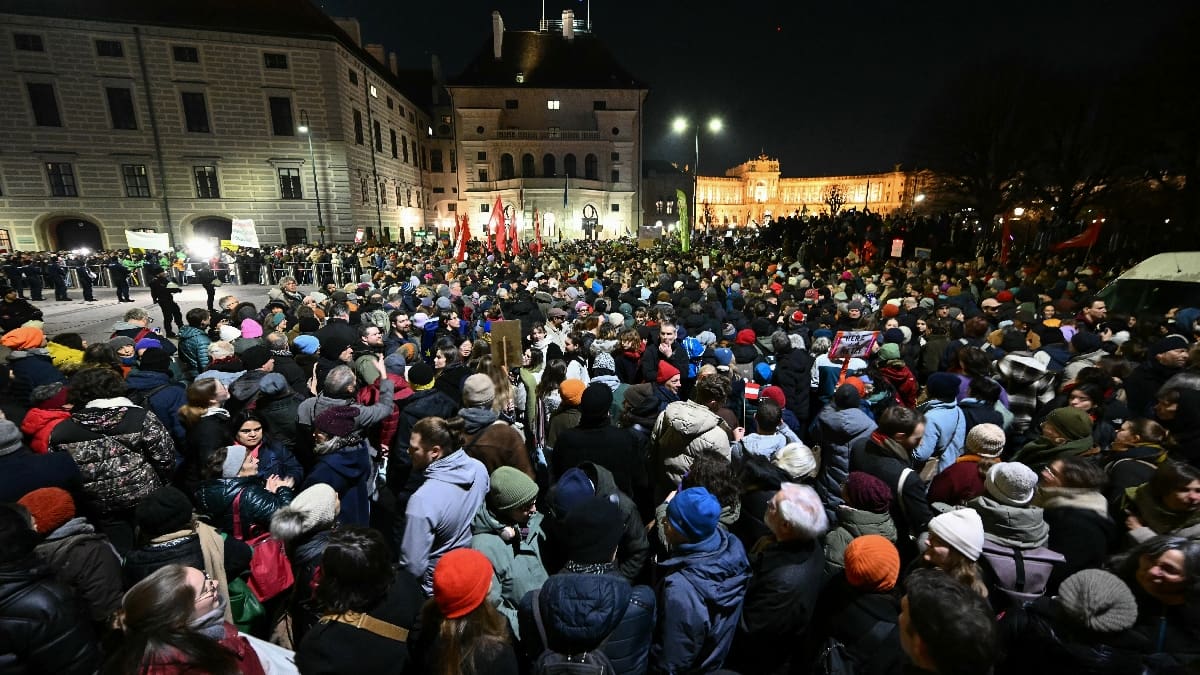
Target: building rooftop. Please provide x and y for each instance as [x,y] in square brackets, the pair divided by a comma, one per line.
[287,18]
[546,59]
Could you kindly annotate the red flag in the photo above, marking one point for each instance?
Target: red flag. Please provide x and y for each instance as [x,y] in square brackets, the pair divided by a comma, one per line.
[464,236]
[1005,242]
[501,229]
[1083,240]
[514,244]
[537,231]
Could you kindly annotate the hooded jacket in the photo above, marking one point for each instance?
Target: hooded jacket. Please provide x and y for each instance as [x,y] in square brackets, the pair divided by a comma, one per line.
[1080,528]
[439,514]
[945,434]
[164,403]
[123,452]
[681,433]
[43,630]
[853,523]
[367,415]
[1022,527]
[701,594]
[193,349]
[493,441]
[344,464]
[835,431]
[38,423]
[516,564]
[584,611]
[84,560]
[31,368]
[1041,451]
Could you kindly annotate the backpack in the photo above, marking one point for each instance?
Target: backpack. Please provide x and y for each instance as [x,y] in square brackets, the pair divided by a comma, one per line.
[141,397]
[1022,575]
[835,659]
[551,662]
[695,352]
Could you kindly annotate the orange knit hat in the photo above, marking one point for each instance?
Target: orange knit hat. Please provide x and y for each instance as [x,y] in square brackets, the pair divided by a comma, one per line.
[50,507]
[572,391]
[461,581]
[872,563]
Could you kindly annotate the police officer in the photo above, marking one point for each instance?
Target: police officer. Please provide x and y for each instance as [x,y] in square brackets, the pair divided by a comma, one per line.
[58,276]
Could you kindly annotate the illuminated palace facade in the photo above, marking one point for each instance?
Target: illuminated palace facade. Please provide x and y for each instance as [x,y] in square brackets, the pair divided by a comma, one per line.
[753,192]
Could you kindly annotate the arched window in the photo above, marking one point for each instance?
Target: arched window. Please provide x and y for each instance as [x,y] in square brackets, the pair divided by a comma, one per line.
[549,168]
[569,165]
[528,168]
[591,167]
[506,167]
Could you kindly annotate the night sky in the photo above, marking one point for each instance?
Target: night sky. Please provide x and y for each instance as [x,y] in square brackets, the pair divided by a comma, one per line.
[827,87]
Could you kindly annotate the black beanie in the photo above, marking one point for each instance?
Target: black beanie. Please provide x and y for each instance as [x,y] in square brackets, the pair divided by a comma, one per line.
[166,510]
[593,529]
[332,347]
[596,401]
[309,324]
[156,360]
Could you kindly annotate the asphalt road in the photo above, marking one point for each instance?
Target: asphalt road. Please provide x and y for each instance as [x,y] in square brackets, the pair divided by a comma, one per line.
[94,320]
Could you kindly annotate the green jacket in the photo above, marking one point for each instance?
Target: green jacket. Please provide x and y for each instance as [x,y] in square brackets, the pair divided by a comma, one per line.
[1156,519]
[517,563]
[1040,452]
[853,523]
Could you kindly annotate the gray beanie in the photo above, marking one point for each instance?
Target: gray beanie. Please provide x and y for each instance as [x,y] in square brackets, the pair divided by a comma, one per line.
[235,455]
[1098,600]
[10,437]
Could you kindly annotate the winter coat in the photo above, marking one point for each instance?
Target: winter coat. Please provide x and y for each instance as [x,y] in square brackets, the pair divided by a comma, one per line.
[213,430]
[276,460]
[279,415]
[886,460]
[344,464]
[583,611]
[1041,638]
[903,382]
[43,629]
[763,445]
[702,588]
[780,599]
[244,390]
[1022,527]
[959,483]
[1142,385]
[1157,519]
[369,396]
[367,414]
[516,565]
[945,434]
[25,471]
[1059,356]
[681,433]
[634,547]
[980,412]
[853,523]
[610,447]
[867,625]
[240,647]
[85,560]
[214,498]
[1172,630]
[439,514]
[291,371]
[1079,362]
[1040,452]
[37,425]
[1080,528]
[835,431]
[193,349]
[760,480]
[123,452]
[31,368]
[494,442]
[335,647]
[1129,469]
[1029,384]
[422,404]
[164,403]
[793,374]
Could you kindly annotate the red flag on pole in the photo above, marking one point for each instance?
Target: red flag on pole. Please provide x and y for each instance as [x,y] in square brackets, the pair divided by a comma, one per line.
[1087,238]
[501,228]
[464,236]
[537,230]
[1005,242]
[514,244]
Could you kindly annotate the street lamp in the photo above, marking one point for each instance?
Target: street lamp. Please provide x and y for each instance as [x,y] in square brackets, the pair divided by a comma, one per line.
[304,129]
[680,126]
[919,198]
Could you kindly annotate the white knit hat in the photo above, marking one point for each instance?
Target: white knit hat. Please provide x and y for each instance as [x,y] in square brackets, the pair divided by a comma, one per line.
[1011,483]
[235,456]
[318,503]
[985,440]
[962,530]
[229,333]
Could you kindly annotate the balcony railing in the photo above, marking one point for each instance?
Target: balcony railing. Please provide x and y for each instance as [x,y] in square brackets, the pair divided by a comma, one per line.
[547,135]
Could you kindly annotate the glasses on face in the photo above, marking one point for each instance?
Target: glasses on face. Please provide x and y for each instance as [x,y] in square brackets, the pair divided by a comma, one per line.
[208,589]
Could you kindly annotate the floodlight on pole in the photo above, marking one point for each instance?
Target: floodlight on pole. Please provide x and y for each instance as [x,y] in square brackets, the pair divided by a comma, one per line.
[305,129]
[680,126]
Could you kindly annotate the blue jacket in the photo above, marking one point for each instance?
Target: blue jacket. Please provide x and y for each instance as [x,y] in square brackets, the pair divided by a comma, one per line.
[700,605]
[165,403]
[30,369]
[193,349]
[345,467]
[945,433]
[276,460]
[582,610]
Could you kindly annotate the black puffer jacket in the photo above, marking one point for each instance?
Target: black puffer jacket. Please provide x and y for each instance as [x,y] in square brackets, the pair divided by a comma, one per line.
[183,550]
[214,498]
[42,627]
[1039,638]
[123,452]
[85,560]
[793,374]
[581,610]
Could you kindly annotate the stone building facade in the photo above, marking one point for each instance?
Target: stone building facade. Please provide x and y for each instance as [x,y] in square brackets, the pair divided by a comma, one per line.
[754,191]
[547,121]
[116,121]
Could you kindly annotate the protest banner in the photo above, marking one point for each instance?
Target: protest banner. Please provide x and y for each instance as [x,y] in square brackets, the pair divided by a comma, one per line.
[506,342]
[151,241]
[853,344]
[244,233]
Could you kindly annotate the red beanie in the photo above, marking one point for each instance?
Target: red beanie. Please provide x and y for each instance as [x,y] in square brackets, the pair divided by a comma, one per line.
[775,394]
[1005,296]
[665,372]
[890,311]
[461,581]
[50,507]
[744,337]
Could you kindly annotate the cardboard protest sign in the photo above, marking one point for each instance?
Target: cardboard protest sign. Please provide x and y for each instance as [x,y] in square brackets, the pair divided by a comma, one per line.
[244,233]
[506,342]
[852,344]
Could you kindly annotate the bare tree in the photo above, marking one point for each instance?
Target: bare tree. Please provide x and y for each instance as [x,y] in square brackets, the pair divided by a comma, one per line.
[835,198]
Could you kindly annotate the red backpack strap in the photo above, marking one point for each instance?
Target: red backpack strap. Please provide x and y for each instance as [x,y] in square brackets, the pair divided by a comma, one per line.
[237,516]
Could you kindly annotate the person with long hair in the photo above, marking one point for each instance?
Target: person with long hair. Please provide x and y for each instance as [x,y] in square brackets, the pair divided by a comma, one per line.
[449,369]
[273,458]
[1168,504]
[174,622]
[509,402]
[954,545]
[233,495]
[1133,457]
[462,633]
[549,398]
[366,608]
[1164,574]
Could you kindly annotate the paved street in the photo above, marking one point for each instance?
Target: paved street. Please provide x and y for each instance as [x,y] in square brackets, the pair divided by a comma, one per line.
[94,320]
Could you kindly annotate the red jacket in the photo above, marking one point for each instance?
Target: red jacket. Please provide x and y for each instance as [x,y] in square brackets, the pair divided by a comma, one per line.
[370,395]
[38,424]
[248,663]
[902,380]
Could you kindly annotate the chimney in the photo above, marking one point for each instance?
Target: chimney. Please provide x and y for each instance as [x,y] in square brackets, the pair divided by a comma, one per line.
[497,36]
[392,64]
[350,26]
[569,24]
[376,51]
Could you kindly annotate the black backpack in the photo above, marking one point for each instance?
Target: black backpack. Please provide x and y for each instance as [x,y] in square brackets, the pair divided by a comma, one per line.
[142,397]
[551,662]
[835,659]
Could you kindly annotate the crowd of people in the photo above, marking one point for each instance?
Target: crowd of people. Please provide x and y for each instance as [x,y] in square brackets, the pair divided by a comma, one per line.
[680,467]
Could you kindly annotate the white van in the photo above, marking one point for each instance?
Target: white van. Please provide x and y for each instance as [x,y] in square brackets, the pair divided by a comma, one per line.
[1155,285]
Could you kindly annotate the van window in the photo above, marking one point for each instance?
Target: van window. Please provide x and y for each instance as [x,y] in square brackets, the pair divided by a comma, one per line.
[1149,297]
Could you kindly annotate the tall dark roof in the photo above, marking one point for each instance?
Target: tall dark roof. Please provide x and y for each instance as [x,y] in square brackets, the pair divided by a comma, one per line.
[547,60]
[287,18]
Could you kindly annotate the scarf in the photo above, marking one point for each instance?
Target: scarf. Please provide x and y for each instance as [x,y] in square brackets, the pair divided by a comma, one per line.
[592,568]
[1071,498]
[211,624]
[891,445]
[1156,516]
